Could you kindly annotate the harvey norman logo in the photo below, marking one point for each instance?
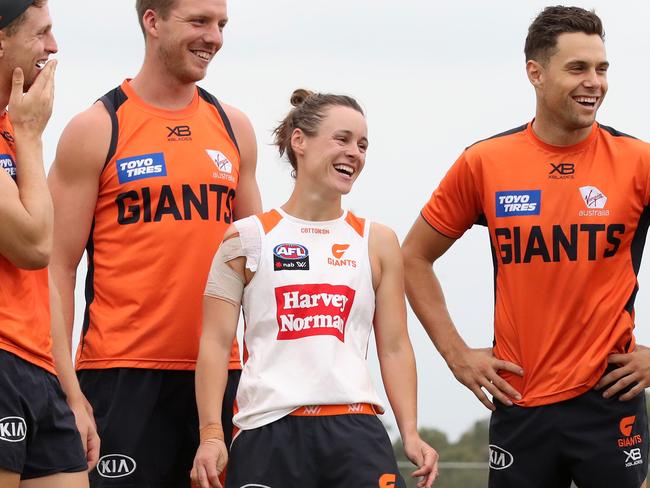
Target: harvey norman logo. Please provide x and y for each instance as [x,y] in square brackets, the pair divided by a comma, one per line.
[7,163]
[518,202]
[313,310]
[140,167]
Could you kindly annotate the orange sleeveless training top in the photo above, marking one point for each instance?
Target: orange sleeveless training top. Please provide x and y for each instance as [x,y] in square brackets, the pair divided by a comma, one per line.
[24,294]
[166,196]
[567,227]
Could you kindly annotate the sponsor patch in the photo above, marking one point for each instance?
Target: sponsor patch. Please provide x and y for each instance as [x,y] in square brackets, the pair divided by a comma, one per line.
[13,429]
[7,163]
[500,458]
[290,257]
[313,310]
[141,167]
[223,164]
[518,202]
[115,466]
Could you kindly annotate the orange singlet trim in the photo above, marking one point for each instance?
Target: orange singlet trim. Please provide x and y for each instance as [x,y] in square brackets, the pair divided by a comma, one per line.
[269,220]
[325,410]
[356,223]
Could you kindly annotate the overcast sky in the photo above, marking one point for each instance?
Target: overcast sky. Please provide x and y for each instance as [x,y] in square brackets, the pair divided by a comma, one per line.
[433,78]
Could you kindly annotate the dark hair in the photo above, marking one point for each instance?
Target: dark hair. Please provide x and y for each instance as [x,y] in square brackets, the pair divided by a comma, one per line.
[161,7]
[307,113]
[553,21]
[13,27]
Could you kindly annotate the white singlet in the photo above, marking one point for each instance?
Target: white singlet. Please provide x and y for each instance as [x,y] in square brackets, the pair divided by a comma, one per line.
[308,312]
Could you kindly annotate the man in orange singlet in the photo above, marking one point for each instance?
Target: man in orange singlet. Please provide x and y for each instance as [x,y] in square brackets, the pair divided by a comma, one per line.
[566,201]
[40,446]
[147,180]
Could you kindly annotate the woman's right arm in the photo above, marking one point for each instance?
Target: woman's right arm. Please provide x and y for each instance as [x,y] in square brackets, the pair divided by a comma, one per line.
[220,318]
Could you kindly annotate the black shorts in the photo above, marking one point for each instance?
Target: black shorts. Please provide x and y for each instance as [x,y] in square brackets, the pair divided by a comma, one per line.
[38,434]
[148,424]
[596,442]
[311,452]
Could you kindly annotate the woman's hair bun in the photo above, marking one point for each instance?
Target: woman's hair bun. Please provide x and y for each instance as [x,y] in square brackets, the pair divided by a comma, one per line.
[299,96]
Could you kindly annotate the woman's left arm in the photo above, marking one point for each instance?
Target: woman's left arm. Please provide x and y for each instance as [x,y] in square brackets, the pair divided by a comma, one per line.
[394,349]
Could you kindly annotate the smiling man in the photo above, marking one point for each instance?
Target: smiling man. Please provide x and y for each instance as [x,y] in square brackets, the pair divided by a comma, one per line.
[147,180]
[42,409]
[567,204]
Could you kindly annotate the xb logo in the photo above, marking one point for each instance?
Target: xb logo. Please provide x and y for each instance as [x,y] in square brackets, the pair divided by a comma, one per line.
[563,169]
[633,455]
[179,131]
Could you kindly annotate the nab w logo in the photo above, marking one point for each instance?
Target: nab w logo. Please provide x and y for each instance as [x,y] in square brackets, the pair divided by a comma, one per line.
[13,429]
[115,466]
[500,458]
[387,480]
[626,425]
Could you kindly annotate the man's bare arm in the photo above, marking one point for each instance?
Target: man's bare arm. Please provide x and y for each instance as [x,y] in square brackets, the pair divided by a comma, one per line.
[477,369]
[26,207]
[74,182]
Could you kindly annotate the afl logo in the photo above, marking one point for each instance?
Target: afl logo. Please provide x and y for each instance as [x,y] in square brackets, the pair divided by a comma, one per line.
[13,429]
[500,458]
[115,466]
[290,257]
[290,251]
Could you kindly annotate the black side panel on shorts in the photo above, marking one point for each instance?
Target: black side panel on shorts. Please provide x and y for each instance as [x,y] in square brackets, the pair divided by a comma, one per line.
[638,243]
[212,100]
[113,100]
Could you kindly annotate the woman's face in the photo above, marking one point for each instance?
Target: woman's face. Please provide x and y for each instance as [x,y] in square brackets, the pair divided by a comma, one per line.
[336,154]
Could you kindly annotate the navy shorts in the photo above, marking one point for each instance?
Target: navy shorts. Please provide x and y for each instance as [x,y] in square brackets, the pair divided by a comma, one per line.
[313,452]
[148,424]
[592,441]
[38,434]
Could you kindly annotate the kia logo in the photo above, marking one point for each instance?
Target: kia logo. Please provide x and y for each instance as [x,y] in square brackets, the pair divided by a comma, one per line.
[115,466]
[13,429]
[500,458]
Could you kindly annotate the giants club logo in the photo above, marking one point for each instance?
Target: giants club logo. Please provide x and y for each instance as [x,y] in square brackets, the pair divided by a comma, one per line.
[338,250]
[387,480]
[115,466]
[13,429]
[313,310]
[626,425]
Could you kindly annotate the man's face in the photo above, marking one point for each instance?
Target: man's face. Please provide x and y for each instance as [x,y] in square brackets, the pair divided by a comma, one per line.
[30,46]
[573,81]
[191,36]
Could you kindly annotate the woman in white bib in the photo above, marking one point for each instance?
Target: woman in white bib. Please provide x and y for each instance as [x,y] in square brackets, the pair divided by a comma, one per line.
[313,281]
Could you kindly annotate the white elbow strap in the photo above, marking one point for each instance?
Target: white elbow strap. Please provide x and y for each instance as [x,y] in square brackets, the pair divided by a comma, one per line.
[223,281]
